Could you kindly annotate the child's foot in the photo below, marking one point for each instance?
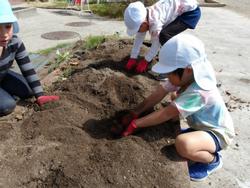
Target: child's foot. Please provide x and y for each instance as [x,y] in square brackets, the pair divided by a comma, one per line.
[200,171]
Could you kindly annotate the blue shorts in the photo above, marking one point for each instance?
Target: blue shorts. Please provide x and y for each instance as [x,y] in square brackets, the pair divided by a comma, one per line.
[215,138]
[191,18]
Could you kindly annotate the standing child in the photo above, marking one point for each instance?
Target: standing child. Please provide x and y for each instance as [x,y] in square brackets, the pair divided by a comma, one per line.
[183,60]
[12,48]
[163,20]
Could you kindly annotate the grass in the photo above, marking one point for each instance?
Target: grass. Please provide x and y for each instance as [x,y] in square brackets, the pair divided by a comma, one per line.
[111,10]
[93,41]
[60,58]
[106,9]
[62,51]
[68,72]
[47,51]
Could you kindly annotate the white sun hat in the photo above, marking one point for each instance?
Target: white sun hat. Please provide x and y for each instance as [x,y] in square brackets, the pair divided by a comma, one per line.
[7,15]
[134,16]
[183,51]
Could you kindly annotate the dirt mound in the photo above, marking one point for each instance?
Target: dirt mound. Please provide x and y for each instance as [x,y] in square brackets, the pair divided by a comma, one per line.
[70,144]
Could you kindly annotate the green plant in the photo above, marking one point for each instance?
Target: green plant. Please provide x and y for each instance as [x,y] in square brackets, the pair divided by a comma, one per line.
[68,72]
[47,51]
[111,10]
[93,41]
[60,57]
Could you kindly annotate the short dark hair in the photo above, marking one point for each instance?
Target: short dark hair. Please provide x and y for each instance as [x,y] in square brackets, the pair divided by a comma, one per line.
[179,72]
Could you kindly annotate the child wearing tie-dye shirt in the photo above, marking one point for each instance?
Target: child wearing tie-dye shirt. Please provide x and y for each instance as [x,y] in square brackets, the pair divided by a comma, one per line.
[163,20]
[183,61]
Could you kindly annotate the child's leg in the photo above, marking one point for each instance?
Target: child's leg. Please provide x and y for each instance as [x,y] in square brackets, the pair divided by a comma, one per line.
[201,147]
[198,146]
[15,84]
[174,28]
[7,104]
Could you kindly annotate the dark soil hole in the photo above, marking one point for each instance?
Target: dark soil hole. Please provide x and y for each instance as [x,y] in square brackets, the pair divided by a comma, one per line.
[113,65]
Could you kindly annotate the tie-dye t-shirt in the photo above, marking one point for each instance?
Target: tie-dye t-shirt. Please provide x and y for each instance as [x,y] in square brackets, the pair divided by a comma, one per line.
[204,110]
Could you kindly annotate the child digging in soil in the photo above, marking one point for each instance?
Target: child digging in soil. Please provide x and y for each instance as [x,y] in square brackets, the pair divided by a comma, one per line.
[12,48]
[183,60]
[163,20]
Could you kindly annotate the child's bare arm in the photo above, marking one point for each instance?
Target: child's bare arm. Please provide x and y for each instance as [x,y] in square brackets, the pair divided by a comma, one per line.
[158,117]
[151,100]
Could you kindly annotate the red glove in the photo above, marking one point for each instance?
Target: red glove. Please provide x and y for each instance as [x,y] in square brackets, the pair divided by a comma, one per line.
[142,66]
[131,128]
[128,118]
[131,64]
[45,99]
[118,129]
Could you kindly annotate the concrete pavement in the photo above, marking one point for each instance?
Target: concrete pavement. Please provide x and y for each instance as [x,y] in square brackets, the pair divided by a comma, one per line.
[226,35]
[44,21]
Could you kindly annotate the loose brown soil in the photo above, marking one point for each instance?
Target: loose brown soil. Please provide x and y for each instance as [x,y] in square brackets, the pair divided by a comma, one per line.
[69,143]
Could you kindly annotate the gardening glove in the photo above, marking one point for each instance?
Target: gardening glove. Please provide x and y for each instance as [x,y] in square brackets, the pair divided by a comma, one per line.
[131,129]
[45,99]
[142,66]
[118,129]
[128,118]
[131,64]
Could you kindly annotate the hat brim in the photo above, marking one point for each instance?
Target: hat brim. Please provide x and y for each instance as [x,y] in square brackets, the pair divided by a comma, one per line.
[132,32]
[160,68]
[10,19]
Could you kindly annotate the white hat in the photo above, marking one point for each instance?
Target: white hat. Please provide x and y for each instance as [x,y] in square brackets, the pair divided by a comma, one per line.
[7,16]
[134,16]
[182,51]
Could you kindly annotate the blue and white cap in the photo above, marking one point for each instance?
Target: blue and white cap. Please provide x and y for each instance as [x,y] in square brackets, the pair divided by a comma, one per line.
[7,15]
[184,50]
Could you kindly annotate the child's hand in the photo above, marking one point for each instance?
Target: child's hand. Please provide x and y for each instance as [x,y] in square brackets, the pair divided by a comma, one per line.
[142,66]
[131,64]
[126,120]
[131,129]
[45,99]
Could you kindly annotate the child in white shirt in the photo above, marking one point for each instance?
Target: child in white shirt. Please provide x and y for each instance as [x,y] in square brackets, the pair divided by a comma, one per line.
[163,20]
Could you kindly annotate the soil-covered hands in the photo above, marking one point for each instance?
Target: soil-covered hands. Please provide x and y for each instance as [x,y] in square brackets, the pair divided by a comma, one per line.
[119,128]
[45,99]
[125,120]
[131,64]
[142,66]
[130,129]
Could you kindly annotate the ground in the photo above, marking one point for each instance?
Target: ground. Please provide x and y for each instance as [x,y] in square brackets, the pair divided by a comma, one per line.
[69,143]
[225,32]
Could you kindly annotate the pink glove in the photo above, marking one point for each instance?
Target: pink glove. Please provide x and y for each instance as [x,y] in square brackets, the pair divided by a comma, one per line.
[130,130]
[126,120]
[131,64]
[45,99]
[142,66]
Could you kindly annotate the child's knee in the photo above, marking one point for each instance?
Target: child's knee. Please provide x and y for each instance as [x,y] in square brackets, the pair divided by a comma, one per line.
[7,107]
[183,146]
